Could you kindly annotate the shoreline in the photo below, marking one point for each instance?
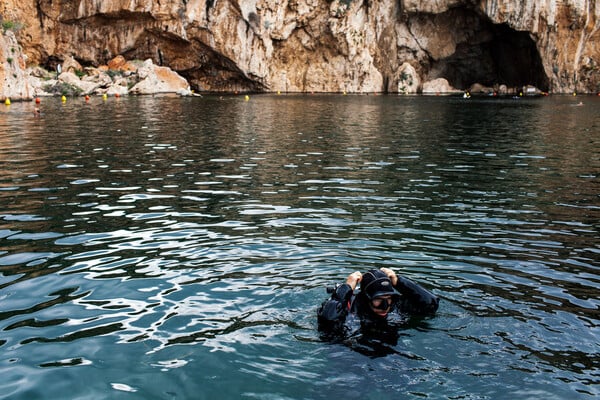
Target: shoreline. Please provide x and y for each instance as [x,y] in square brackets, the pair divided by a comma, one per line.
[278,93]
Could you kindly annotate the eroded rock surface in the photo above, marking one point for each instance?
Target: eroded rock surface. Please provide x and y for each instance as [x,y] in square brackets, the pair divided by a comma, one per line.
[321,45]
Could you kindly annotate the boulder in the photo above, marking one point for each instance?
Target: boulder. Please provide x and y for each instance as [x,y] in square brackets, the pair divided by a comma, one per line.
[70,78]
[478,88]
[156,79]
[119,63]
[101,78]
[82,87]
[438,86]
[39,84]
[116,63]
[117,90]
[71,65]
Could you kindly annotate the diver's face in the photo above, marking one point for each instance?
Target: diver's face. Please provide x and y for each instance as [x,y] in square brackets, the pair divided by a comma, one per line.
[381,305]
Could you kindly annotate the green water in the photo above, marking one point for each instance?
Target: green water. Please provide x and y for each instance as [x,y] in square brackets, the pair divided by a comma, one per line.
[177,248]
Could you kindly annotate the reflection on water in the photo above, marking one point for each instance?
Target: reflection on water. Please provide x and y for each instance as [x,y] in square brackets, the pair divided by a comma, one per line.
[167,247]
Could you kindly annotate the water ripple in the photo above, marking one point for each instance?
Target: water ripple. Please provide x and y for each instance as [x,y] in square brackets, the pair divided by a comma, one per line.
[184,254]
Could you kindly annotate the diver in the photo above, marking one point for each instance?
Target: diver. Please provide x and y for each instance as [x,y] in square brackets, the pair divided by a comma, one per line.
[384,301]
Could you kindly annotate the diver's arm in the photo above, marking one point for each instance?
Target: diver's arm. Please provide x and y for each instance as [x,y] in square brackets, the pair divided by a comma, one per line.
[415,298]
[332,313]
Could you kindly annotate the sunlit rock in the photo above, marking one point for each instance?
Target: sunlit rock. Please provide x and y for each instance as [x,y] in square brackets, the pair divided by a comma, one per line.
[156,79]
[119,63]
[71,65]
[14,80]
[438,86]
[315,45]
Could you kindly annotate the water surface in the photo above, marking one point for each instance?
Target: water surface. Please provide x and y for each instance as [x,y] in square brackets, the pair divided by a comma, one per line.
[177,248]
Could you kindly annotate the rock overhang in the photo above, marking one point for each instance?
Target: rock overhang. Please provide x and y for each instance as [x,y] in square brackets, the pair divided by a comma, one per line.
[324,48]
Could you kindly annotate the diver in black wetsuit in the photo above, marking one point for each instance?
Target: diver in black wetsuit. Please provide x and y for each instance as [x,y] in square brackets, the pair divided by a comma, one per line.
[383,297]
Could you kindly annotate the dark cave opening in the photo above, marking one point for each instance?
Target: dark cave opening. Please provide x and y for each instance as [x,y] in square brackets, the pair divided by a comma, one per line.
[501,55]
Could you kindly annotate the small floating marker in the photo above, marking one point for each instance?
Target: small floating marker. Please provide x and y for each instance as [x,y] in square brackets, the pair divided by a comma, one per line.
[7,101]
[246,97]
[37,100]
[574,93]
[63,99]
[87,98]
[104,96]
[278,92]
[117,95]
[344,92]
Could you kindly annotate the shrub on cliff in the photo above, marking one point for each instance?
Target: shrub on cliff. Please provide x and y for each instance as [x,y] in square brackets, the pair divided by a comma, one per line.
[8,25]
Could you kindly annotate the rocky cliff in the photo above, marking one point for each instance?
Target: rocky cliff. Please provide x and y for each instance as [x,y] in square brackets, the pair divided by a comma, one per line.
[322,45]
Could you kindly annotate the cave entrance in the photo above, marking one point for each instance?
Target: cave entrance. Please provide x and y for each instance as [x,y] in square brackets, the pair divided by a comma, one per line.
[499,55]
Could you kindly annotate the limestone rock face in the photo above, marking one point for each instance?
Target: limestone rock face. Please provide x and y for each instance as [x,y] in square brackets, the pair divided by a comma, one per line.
[408,79]
[14,80]
[324,45]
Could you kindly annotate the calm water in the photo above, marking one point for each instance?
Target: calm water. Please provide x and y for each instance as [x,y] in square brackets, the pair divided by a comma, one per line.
[166,248]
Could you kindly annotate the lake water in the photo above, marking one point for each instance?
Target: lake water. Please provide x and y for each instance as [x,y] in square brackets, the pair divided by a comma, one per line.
[178,248]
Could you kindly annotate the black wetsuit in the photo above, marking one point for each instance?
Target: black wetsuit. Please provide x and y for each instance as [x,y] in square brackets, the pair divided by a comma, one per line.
[414,300]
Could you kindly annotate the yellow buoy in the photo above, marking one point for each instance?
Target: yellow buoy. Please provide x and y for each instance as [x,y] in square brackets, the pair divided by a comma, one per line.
[7,101]
[63,99]
[246,97]
[104,96]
